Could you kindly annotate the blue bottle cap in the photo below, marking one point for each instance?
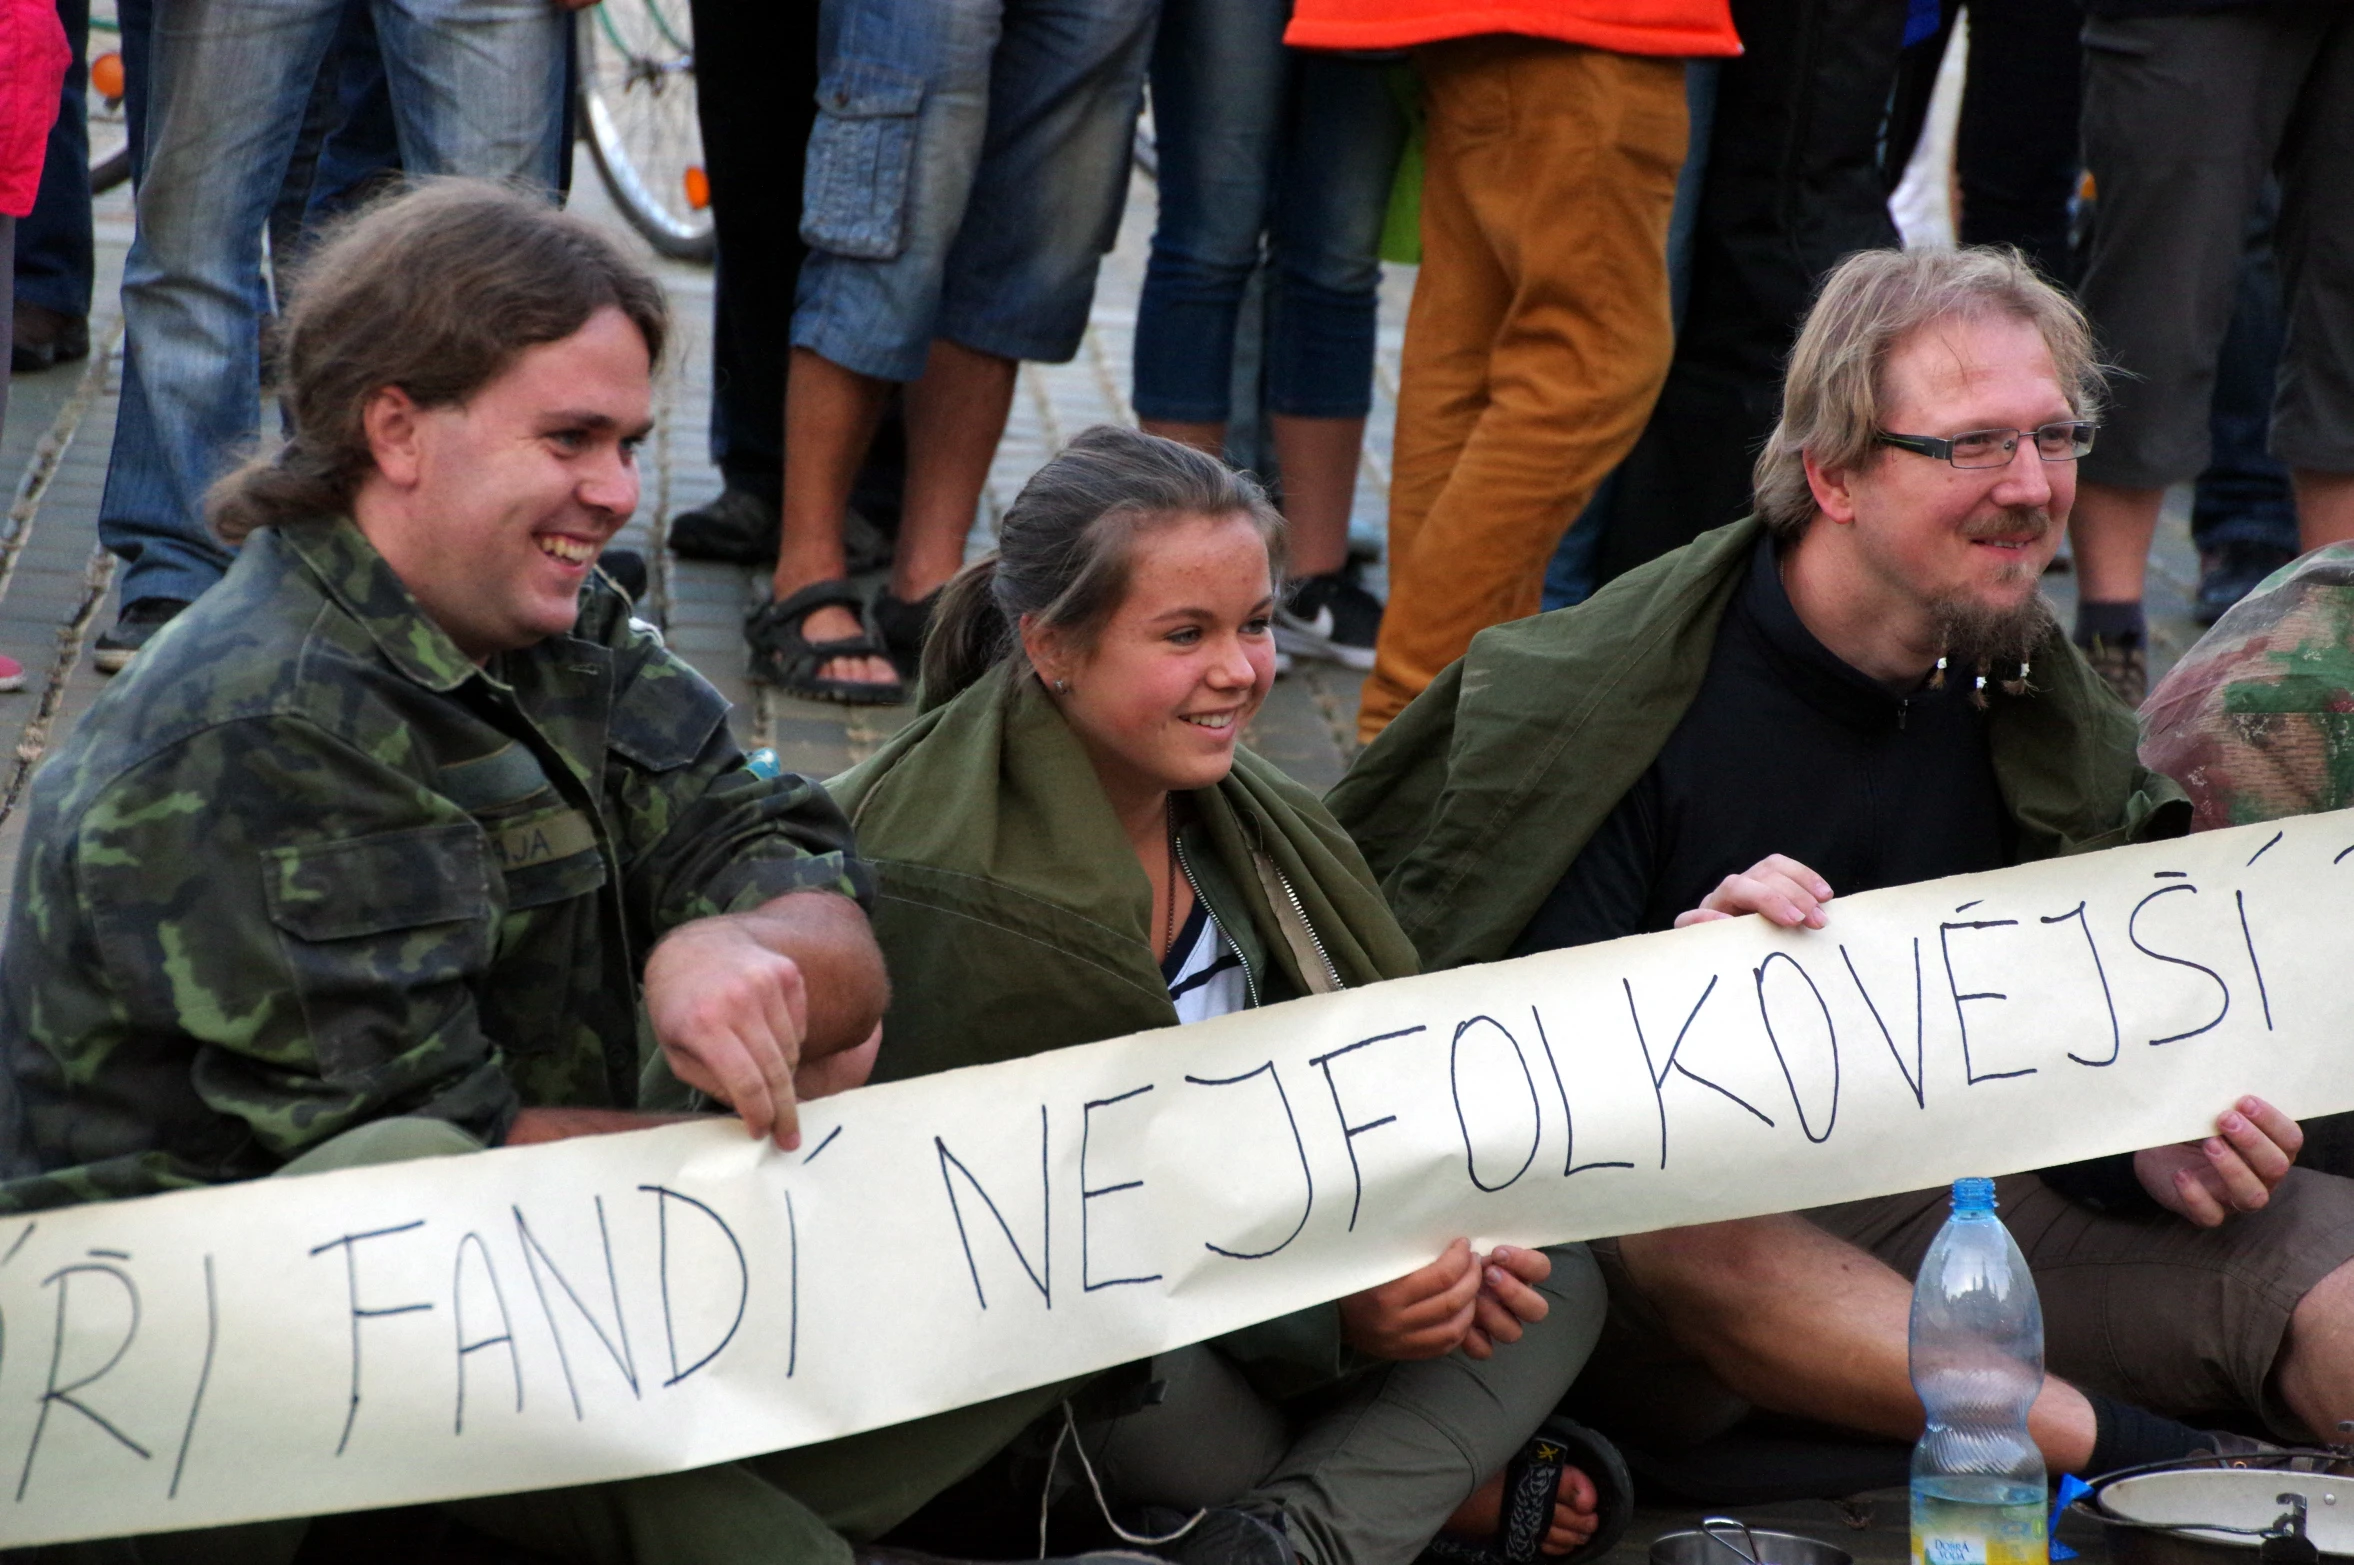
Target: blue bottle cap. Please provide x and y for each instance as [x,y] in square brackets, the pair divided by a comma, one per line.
[1973,1195]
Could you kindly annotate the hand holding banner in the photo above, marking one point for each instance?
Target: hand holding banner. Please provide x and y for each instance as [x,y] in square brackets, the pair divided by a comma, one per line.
[620,1306]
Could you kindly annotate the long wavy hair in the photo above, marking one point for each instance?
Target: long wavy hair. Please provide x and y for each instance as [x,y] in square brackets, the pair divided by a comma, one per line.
[436,287]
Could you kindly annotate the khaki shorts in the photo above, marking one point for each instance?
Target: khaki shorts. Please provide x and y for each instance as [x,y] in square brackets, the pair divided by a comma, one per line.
[2180,1320]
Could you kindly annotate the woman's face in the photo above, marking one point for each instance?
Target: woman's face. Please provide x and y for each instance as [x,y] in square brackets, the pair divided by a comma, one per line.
[1183,663]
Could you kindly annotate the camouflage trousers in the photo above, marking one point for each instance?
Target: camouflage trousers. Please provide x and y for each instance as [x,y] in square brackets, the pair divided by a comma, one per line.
[738,1513]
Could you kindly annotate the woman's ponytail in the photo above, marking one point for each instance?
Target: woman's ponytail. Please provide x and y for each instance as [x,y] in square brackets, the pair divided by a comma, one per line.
[969,634]
[1063,547]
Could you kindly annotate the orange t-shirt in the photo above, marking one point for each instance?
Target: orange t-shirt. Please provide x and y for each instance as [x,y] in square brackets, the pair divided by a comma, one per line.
[1674,27]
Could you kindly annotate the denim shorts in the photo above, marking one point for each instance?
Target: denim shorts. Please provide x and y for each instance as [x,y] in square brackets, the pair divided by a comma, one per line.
[965,176]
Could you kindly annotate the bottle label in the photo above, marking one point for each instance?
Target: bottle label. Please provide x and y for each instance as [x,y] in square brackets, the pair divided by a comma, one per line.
[1978,1549]
[1953,1551]
[1947,1532]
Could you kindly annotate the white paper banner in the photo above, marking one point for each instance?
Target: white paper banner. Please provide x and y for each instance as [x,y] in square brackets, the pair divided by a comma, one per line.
[627,1305]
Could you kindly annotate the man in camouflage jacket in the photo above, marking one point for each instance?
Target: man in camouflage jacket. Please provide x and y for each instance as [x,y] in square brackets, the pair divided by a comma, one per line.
[2257,722]
[307,865]
[408,839]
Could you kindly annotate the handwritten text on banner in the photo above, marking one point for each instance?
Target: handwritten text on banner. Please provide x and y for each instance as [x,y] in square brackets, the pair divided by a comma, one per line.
[629,1305]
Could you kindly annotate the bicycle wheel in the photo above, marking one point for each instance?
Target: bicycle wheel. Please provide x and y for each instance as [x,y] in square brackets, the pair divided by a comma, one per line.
[110,147]
[637,108]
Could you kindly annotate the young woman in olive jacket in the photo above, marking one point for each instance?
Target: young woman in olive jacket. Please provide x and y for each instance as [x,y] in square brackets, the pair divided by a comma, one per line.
[1070,844]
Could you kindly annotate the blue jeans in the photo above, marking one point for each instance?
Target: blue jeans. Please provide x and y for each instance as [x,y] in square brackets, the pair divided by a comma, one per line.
[1256,139]
[477,88]
[965,175]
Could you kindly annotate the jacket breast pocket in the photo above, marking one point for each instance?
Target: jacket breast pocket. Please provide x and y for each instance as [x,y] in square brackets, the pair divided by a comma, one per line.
[378,932]
[861,161]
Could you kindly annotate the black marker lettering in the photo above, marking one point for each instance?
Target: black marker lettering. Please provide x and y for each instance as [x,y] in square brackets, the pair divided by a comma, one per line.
[1086,1126]
[506,1331]
[1917,1077]
[1536,1133]
[535,1255]
[1953,987]
[1766,1015]
[1298,1143]
[1042,1275]
[2116,1033]
[1659,1072]
[204,1375]
[350,1245]
[1569,1163]
[62,1279]
[2262,993]
[663,1196]
[2132,932]
[1348,1132]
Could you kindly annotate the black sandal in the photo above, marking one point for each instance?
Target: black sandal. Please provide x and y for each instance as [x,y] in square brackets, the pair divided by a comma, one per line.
[903,627]
[782,656]
[1532,1482]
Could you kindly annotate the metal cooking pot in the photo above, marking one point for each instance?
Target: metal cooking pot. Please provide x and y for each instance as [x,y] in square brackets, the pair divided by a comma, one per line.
[1723,1540]
[2289,1508]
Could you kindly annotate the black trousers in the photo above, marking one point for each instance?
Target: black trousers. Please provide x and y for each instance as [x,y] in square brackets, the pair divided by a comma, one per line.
[1794,183]
[756,96]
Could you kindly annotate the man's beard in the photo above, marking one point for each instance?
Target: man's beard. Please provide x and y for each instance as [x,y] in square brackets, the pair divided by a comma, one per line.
[1996,642]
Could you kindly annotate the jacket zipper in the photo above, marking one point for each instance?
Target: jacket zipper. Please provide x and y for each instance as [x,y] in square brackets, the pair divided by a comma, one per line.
[1331,972]
[1250,980]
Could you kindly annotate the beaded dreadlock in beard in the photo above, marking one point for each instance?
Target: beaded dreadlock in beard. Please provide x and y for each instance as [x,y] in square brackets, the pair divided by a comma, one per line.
[1990,645]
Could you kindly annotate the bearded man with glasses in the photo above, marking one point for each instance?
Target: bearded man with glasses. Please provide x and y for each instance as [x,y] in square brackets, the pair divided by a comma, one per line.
[1860,687]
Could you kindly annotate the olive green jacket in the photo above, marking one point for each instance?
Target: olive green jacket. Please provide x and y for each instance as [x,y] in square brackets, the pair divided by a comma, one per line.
[1473,804]
[1015,918]
[1012,910]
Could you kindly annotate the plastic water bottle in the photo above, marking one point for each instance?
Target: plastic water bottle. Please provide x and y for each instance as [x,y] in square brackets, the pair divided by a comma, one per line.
[1977,1360]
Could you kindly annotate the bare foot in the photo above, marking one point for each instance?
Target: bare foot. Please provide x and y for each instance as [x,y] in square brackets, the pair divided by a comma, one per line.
[835,623]
[1576,1513]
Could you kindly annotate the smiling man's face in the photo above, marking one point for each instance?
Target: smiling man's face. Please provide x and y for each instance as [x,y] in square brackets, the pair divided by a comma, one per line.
[1973,541]
[504,502]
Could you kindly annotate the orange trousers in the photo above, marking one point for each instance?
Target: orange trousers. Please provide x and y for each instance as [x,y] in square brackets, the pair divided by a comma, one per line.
[1538,337]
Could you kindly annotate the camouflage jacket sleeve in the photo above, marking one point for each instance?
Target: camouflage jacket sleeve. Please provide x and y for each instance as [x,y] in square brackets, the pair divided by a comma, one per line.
[2257,720]
[284,931]
[698,831]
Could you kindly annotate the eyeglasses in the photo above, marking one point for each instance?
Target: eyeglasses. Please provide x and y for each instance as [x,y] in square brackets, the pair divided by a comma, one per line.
[2062,442]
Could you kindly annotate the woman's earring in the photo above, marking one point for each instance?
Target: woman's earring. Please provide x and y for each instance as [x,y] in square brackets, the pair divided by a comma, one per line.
[1062,687]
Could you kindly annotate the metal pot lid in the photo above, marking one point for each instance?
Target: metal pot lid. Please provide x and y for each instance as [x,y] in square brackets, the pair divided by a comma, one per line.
[2234,1505]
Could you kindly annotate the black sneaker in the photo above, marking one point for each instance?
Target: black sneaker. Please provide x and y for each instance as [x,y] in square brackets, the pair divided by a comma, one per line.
[1329,617]
[738,528]
[133,629]
[44,337]
[2232,572]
